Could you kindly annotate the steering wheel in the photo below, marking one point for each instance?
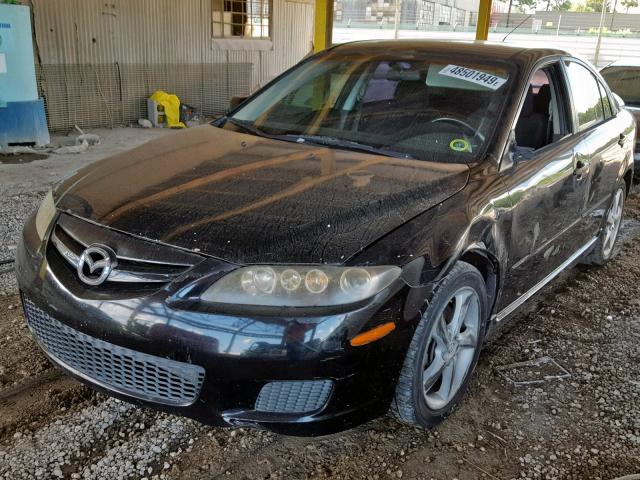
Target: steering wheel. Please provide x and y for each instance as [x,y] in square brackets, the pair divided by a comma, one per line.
[474,132]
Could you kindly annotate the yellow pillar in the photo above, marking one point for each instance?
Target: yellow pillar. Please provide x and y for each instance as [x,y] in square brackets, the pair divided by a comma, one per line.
[323,25]
[484,16]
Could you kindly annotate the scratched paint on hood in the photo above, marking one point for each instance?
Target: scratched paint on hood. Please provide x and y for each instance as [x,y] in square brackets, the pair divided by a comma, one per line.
[249,199]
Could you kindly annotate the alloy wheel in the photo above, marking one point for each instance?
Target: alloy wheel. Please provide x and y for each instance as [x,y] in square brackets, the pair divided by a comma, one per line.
[451,347]
[614,218]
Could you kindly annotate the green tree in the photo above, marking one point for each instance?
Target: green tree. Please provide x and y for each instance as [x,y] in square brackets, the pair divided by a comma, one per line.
[521,5]
[629,4]
[596,5]
[527,4]
[558,5]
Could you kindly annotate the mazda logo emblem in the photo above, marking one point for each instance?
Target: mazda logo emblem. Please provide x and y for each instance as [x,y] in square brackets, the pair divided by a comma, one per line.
[95,264]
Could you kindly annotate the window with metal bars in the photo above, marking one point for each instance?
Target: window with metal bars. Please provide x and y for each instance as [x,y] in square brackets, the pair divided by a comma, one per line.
[459,17]
[445,15]
[250,19]
[426,13]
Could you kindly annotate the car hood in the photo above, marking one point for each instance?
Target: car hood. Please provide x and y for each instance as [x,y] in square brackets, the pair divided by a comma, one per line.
[249,199]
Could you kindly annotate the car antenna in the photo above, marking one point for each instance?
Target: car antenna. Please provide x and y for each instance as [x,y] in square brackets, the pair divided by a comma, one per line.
[518,26]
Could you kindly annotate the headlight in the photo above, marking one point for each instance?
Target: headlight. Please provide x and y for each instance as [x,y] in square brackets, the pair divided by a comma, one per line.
[300,286]
[45,214]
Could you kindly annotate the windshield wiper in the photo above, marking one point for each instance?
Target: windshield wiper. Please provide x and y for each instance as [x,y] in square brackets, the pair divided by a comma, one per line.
[320,140]
[249,127]
[346,144]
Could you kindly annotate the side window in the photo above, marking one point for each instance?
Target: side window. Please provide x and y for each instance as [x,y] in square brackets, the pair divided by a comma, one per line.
[606,104]
[541,121]
[585,93]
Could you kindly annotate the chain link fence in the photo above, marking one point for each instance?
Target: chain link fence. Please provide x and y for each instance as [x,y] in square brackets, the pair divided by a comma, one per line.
[108,95]
[576,32]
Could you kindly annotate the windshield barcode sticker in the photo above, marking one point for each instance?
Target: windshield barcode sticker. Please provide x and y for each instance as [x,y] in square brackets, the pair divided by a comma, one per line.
[475,76]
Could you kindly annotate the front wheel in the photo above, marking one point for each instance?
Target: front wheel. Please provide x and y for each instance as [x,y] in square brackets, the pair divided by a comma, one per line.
[604,249]
[444,350]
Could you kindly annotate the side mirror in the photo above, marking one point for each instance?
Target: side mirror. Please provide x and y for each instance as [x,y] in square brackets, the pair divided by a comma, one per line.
[618,99]
[514,153]
[235,101]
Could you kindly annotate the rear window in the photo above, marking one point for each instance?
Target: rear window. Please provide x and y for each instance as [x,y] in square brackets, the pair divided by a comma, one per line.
[625,81]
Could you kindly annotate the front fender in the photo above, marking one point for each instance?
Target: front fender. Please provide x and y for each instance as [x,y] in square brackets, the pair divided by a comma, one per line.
[470,226]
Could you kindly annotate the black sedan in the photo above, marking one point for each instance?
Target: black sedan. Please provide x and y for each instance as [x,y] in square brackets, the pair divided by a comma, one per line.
[338,246]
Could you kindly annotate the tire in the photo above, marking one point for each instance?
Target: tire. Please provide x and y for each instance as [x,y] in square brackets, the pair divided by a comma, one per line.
[429,350]
[605,247]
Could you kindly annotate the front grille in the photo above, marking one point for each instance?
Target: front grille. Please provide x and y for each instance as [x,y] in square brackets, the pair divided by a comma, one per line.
[137,262]
[294,396]
[120,369]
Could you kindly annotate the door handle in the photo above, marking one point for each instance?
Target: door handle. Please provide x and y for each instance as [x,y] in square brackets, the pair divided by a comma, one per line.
[621,139]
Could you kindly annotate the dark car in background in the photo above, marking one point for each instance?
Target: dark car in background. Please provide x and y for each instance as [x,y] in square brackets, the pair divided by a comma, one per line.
[623,78]
[339,245]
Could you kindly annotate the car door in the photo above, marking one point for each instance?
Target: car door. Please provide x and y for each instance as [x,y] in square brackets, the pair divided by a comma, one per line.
[546,183]
[599,144]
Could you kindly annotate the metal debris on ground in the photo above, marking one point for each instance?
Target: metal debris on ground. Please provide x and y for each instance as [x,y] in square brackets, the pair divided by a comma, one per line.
[532,372]
[90,138]
[72,148]
[5,265]
[17,150]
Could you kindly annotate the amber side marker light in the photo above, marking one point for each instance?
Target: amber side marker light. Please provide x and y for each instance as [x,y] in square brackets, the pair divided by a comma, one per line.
[372,335]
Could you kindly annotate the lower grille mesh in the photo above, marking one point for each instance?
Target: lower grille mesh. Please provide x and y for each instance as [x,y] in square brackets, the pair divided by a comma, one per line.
[293,396]
[127,371]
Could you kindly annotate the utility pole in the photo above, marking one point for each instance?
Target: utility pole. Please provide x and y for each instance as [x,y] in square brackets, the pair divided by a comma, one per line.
[509,12]
[613,14]
[597,54]
[397,22]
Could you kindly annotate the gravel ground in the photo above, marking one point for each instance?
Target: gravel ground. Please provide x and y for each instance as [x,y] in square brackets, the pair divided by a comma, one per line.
[25,179]
[586,426]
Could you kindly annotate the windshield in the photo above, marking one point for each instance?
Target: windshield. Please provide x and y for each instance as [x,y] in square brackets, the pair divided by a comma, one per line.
[625,81]
[421,107]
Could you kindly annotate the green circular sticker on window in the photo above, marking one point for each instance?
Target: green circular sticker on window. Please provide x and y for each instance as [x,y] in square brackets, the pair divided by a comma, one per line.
[459,145]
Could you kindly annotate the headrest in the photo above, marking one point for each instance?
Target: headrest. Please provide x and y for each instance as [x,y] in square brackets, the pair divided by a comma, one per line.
[409,89]
[542,100]
[527,107]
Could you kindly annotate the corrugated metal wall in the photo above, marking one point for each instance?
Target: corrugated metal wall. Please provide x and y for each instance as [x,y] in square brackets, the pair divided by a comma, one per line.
[100,59]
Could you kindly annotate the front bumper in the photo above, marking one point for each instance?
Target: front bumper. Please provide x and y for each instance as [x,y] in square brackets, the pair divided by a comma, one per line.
[239,355]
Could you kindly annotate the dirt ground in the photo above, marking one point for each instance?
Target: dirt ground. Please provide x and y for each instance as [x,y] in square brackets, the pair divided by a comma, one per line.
[586,426]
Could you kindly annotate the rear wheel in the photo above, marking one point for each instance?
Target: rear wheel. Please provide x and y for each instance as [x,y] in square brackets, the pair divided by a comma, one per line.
[604,249]
[444,350]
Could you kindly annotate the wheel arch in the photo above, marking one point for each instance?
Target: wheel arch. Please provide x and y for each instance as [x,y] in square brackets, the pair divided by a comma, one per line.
[483,245]
[488,266]
[628,180]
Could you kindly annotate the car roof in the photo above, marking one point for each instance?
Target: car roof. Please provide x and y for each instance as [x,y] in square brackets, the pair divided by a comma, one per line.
[625,63]
[482,49]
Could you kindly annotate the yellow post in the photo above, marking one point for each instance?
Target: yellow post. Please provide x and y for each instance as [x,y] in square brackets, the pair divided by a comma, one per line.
[484,17]
[323,25]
